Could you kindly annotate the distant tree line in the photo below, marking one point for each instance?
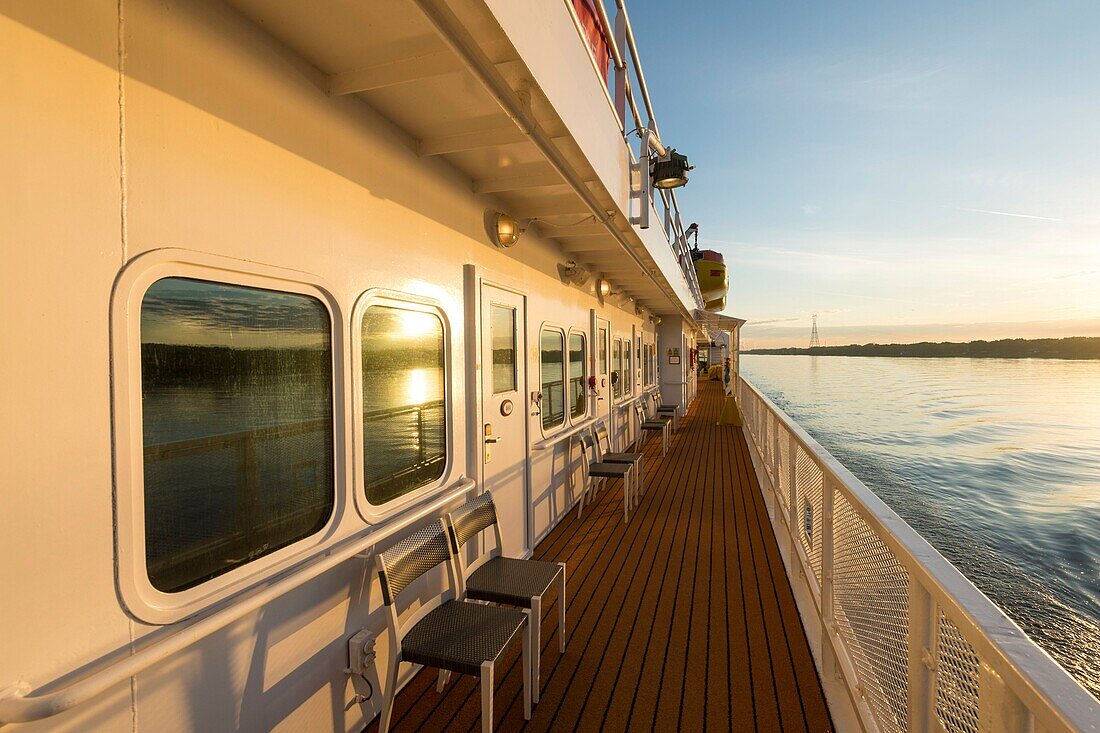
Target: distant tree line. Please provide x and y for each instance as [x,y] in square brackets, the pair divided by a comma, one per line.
[172,364]
[1076,347]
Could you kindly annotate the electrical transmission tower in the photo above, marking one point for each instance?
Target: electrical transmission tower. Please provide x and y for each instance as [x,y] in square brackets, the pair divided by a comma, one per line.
[815,341]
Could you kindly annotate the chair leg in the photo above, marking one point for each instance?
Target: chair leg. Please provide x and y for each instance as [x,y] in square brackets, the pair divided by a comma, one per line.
[444,677]
[535,655]
[525,662]
[627,495]
[584,492]
[561,611]
[391,690]
[487,697]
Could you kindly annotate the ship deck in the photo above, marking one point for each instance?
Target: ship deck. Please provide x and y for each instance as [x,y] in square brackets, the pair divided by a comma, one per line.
[682,619]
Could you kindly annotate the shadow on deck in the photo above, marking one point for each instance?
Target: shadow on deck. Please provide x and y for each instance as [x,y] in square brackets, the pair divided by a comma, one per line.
[682,619]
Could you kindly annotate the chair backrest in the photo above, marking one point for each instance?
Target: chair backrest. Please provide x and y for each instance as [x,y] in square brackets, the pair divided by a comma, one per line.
[466,523]
[412,557]
[469,520]
[590,452]
[603,439]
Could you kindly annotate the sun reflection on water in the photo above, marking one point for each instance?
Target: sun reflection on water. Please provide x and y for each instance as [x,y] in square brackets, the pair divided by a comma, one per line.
[416,386]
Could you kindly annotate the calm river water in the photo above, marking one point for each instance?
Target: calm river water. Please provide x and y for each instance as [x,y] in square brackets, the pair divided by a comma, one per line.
[995,461]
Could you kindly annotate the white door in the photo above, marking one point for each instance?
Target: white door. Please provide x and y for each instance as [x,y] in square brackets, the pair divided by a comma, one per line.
[602,368]
[504,412]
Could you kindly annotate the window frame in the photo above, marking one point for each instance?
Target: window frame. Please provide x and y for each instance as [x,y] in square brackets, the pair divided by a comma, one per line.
[141,599]
[628,366]
[548,430]
[380,513]
[618,394]
[517,356]
[584,375]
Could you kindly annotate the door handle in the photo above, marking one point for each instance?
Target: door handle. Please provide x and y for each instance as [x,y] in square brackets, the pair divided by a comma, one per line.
[493,440]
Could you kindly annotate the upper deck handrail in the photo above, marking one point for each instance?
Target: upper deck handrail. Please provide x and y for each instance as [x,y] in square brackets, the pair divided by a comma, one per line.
[1014,680]
[19,705]
[668,197]
[633,47]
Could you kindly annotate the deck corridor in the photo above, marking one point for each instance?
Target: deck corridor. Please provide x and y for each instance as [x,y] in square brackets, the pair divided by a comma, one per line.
[682,619]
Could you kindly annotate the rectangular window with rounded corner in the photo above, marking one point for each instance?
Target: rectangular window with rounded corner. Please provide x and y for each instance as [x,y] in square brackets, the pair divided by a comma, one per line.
[404,356]
[617,368]
[578,390]
[552,371]
[237,423]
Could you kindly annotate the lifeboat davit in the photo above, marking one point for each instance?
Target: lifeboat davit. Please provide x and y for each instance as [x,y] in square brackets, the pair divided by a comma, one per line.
[714,279]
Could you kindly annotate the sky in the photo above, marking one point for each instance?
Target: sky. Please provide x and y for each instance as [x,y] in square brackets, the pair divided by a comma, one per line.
[907,171]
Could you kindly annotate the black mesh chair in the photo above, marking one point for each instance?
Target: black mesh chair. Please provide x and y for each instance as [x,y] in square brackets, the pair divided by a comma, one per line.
[597,472]
[505,580]
[604,454]
[653,425]
[669,411]
[446,632]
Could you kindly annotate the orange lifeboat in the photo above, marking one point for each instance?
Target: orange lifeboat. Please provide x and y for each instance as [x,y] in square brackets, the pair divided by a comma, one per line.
[713,277]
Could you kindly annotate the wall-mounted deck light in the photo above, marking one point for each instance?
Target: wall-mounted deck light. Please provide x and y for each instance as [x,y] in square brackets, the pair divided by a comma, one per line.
[505,230]
[573,273]
[670,171]
[603,288]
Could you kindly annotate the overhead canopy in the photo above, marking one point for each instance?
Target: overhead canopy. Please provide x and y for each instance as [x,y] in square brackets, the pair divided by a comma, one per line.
[449,77]
[717,322]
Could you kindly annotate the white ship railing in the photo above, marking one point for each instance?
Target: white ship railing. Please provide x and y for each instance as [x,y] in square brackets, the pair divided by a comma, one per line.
[917,646]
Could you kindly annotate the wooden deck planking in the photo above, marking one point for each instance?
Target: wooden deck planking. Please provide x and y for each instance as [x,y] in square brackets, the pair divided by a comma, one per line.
[682,619]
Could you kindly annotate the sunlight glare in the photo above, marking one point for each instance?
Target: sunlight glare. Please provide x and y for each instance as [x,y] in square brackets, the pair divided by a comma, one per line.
[416,387]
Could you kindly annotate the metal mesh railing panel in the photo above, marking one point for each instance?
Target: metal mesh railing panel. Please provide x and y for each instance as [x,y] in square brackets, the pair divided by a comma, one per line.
[769,424]
[957,671]
[783,484]
[809,484]
[871,604]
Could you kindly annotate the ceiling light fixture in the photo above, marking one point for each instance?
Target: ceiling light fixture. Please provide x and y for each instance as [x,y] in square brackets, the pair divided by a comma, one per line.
[506,230]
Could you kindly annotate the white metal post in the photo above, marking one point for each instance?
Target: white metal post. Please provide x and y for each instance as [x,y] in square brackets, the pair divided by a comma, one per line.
[668,220]
[922,630]
[644,191]
[999,709]
[621,77]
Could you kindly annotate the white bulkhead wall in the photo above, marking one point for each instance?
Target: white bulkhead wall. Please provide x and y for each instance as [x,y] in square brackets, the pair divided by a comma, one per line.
[219,141]
[675,335]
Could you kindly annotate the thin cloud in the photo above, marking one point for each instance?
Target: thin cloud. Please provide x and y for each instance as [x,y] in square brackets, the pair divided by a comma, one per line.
[1080,273]
[768,321]
[1005,213]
